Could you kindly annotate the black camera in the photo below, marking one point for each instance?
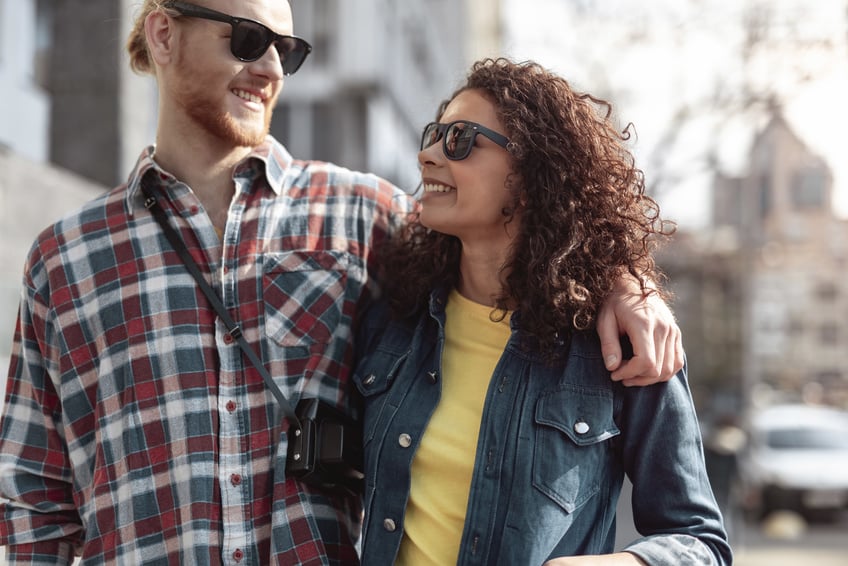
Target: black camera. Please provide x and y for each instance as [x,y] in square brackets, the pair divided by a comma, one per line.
[326,452]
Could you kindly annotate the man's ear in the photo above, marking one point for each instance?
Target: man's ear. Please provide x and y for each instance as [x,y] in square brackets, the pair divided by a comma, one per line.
[160,31]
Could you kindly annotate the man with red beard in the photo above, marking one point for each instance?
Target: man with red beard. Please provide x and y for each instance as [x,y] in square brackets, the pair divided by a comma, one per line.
[136,431]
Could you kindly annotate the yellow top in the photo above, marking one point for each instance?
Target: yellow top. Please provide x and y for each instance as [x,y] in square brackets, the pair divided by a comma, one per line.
[443,466]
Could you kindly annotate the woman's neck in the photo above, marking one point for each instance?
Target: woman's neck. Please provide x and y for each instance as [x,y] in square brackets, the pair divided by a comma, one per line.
[481,276]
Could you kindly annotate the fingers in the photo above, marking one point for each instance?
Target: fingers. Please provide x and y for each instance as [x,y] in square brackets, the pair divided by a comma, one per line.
[638,381]
[674,357]
[610,339]
[654,334]
[657,356]
[641,369]
[679,353]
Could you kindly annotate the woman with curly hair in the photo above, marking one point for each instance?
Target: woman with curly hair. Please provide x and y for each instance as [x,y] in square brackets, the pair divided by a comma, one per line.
[493,432]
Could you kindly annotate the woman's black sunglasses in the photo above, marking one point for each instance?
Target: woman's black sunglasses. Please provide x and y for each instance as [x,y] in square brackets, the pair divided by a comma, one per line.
[250,40]
[458,137]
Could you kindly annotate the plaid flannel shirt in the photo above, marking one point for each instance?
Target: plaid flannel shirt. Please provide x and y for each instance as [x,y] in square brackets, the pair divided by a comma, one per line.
[134,430]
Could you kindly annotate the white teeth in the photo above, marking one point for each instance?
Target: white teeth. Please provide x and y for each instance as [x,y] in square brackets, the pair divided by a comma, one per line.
[246,95]
[436,188]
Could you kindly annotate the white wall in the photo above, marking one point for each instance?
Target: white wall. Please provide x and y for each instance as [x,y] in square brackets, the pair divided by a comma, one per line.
[24,107]
[32,196]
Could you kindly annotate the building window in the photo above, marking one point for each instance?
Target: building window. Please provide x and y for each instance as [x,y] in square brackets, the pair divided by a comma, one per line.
[829,334]
[829,376]
[765,196]
[43,43]
[325,139]
[2,17]
[809,188]
[315,21]
[827,292]
[323,31]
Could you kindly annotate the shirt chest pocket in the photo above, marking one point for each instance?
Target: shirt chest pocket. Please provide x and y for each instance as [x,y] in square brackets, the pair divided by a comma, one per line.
[304,295]
[572,450]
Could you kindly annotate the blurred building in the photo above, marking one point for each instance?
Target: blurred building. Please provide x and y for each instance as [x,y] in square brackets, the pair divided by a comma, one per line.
[376,76]
[33,191]
[764,290]
[73,117]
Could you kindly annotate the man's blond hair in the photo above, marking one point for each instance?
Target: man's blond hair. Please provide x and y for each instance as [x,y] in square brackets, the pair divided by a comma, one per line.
[137,41]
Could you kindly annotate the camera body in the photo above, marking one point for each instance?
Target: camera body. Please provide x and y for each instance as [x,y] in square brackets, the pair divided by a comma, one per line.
[326,452]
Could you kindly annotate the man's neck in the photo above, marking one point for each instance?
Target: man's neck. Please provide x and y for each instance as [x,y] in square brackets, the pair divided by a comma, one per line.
[205,165]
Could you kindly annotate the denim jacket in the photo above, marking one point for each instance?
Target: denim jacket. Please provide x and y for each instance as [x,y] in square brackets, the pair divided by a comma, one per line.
[554,445]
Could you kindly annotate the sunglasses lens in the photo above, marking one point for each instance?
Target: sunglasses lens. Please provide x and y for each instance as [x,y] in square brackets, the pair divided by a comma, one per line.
[458,140]
[293,52]
[249,41]
[430,135]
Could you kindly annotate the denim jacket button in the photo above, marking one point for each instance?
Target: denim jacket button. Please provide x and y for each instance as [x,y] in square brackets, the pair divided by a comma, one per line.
[581,427]
[432,376]
[389,525]
[405,440]
[369,379]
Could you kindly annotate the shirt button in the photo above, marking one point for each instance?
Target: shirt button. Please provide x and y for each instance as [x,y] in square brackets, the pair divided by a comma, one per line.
[228,338]
[389,525]
[432,376]
[369,380]
[235,479]
[194,209]
[405,440]
[580,427]
[238,555]
[231,406]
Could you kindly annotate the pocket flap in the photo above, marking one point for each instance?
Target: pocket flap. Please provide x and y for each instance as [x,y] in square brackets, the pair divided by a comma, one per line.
[375,374]
[304,294]
[584,415]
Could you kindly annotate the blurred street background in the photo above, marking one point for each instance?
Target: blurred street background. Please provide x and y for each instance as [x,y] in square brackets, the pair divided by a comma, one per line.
[740,118]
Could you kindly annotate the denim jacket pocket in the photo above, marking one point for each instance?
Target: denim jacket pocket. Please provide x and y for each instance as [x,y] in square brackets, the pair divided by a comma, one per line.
[304,294]
[573,425]
[373,377]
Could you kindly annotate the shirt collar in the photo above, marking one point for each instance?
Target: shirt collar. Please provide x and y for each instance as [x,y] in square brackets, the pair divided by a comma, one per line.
[269,158]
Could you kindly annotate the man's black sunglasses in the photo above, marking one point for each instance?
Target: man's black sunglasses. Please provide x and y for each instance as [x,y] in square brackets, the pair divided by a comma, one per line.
[458,137]
[250,40]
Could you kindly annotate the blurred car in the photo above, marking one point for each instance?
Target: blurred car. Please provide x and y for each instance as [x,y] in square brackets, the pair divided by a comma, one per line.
[796,459]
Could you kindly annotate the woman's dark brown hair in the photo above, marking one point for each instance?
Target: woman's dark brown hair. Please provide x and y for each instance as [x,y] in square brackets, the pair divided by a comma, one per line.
[585,217]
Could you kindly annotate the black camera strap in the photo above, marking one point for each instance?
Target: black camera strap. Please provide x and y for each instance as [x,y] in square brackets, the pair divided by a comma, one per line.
[152,204]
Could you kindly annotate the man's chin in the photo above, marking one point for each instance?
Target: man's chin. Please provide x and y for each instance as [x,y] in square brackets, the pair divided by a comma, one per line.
[240,136]
[229,130]
[244,139]
[248,135]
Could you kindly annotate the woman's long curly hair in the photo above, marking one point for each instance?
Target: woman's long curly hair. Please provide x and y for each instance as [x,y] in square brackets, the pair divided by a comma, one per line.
[585,217]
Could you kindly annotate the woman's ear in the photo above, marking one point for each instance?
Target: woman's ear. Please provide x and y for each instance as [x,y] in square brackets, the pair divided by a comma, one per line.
[159,29]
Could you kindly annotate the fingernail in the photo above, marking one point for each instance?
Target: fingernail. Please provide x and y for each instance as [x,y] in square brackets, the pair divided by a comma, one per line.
[611,359]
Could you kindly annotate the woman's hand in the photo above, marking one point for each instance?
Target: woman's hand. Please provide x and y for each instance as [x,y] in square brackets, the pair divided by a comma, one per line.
[653,332]
[617,559]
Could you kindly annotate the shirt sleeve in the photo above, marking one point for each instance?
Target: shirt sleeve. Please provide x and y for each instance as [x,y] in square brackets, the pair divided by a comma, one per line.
[391,209]
[39,522]
[673,505]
